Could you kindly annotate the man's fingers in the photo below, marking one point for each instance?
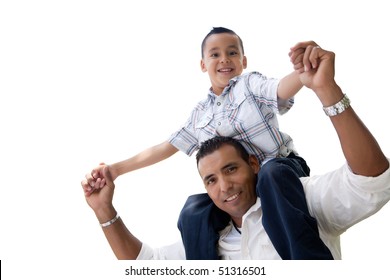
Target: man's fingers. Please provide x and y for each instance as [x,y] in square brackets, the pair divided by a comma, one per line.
[96,172]
[90,179]
[303,45]
[311,57]
[87,187]
[296,56]
[304,56]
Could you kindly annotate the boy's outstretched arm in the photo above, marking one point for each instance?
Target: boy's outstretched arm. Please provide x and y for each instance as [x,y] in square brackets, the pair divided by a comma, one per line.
[289,86]
[145,158]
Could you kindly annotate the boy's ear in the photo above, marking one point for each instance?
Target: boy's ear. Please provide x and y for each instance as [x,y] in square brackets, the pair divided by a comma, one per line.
[244,62]
[203,66]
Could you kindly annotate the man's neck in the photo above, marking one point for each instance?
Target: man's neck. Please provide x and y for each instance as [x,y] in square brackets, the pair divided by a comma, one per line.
[237,221]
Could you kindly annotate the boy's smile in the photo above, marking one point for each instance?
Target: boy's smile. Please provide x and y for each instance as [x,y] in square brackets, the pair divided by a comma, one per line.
[223,59]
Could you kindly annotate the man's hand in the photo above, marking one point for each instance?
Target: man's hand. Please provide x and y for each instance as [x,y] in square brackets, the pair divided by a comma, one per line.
[100,197]
[316,68]
[96,178]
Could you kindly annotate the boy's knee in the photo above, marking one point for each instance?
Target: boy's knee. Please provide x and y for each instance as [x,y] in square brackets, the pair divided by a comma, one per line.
[274,168]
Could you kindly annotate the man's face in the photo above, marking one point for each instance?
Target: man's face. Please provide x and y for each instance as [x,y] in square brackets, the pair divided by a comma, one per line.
[222,59]
[230,181]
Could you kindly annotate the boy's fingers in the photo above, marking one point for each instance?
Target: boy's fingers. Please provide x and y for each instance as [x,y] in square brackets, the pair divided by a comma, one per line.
[107,177]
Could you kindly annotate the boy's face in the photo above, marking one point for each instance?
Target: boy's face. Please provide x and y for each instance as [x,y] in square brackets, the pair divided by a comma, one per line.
[222,59]
[230,180]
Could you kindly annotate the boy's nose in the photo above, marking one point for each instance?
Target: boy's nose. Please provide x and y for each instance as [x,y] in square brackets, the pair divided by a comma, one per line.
[225,59]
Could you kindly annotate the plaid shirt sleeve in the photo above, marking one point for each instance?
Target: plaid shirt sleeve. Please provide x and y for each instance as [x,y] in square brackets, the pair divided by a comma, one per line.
[266,90]
[185,138]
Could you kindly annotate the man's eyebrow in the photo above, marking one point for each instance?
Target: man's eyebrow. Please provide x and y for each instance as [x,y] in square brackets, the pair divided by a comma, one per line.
[206,178]
[229,165]
[226,166]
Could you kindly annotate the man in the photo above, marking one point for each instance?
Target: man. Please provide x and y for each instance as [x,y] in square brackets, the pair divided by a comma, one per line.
[336,200]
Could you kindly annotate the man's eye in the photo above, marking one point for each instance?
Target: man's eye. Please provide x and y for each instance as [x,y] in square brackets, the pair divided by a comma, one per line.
[231,169]
[210,182]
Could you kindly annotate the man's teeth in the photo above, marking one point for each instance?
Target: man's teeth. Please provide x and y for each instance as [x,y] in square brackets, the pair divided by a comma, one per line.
[233,197]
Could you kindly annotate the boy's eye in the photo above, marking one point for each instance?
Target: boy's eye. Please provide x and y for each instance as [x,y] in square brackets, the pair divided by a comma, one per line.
[233,53]
[214,55]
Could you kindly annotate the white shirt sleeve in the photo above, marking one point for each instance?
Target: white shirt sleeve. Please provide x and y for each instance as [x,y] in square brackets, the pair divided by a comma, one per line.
[174,251]
[340,199]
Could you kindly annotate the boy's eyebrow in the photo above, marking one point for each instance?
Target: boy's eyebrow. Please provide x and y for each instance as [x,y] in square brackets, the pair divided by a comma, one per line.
[229,47]
[213,49]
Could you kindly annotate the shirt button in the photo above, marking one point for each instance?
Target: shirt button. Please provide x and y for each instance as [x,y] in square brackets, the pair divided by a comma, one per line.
[219,123]
[219,103]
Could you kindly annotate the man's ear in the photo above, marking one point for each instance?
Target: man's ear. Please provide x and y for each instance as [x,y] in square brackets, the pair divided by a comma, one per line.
[254,163]
[203,66]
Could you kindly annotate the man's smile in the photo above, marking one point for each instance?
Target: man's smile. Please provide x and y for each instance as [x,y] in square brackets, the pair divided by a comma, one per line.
[232,197]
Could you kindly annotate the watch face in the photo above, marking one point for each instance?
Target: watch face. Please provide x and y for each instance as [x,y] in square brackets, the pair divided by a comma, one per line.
[338,108]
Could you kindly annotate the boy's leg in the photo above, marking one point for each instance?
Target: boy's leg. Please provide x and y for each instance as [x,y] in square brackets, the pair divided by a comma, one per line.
[199,223]
[286,218]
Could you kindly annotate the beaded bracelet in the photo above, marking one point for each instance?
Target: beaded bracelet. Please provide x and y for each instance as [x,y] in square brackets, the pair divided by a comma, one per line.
[337,108]
[110,222]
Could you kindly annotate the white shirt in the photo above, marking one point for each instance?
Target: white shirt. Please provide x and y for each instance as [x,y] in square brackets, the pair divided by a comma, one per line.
[337,200]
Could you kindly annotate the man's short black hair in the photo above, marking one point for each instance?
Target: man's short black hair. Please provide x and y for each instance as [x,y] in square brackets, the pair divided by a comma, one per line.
[215,143]
[219,30]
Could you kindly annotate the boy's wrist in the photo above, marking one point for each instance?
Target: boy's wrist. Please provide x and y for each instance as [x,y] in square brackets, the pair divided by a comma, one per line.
[114,170]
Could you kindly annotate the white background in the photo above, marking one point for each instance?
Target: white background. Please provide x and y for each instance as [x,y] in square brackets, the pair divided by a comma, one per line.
[88,81]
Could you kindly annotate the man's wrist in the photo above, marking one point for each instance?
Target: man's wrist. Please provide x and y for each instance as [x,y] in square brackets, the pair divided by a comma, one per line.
[329,95]
[110,222]
[105,214]
[337,108]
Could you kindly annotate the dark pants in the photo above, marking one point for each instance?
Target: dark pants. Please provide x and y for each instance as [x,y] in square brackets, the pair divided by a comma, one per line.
[286,219]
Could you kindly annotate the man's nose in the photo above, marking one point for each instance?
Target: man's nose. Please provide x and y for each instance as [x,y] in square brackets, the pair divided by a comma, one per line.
[225,185]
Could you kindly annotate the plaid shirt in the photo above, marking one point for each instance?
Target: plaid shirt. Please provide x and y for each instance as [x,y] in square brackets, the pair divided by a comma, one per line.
[246,110]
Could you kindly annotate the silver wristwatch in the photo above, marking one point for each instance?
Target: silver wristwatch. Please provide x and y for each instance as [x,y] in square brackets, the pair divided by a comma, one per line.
[337,108]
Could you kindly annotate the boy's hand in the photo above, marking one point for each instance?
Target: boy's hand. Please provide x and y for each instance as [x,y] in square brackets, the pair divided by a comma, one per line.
[96,179]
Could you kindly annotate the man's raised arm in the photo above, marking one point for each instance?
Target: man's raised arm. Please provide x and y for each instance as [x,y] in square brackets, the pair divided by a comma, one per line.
[361,150]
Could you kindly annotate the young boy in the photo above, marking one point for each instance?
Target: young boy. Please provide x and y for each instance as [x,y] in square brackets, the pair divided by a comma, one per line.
[242,106]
